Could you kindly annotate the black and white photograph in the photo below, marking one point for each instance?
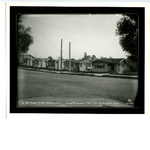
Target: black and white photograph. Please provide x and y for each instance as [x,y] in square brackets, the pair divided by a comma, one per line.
[75,75]
[77,59]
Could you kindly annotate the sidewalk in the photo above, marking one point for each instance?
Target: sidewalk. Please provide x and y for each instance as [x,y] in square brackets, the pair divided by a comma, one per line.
[82,73]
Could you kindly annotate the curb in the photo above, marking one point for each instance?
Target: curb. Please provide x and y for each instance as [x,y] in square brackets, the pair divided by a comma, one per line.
[82,74]
[125,77]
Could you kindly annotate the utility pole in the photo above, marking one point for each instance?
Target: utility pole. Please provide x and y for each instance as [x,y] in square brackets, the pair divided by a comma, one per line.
[69,57]
[61,55]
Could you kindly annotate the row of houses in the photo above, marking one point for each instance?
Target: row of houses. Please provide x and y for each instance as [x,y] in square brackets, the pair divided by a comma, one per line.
[117,65]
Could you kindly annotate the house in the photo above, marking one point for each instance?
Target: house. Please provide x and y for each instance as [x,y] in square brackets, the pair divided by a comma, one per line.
[122,66]
[45,62]
[100,66]
[27,60]
[38,62]
[117,65]
[85,65]
[74,65]
[58,64]
[51,64]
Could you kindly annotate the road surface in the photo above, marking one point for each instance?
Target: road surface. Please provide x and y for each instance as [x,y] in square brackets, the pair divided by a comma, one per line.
[40,88]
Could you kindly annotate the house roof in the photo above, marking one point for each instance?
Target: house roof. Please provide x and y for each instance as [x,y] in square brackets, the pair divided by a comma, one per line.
[88,60]
[28,56]
[109,60]
[46,59]
[63,60]
[40,59]
[99,61]
[51,60]
[73,60]
[115,60]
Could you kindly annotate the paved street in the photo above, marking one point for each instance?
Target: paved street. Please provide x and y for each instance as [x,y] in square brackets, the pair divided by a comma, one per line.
[51,89]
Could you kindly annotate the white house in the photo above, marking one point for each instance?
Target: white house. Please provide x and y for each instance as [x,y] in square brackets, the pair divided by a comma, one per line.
[117,65]
[27,60]
[74,65]
[37,62]
[58,64]
[85,65]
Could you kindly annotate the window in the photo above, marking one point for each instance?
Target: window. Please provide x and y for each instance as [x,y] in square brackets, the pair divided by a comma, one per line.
[88,64]
[25,61]
[112,67]
[99,65]
[51,63]
[36,62]
[103,65]
[66,64]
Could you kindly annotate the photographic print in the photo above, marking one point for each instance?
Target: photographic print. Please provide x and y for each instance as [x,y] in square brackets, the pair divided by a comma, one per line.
[77,59]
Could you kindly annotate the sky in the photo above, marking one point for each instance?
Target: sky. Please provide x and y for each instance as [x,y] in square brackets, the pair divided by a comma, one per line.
[93,34]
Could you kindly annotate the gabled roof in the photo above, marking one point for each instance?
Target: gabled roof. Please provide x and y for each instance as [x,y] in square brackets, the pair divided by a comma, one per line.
[28,56]
[123,60]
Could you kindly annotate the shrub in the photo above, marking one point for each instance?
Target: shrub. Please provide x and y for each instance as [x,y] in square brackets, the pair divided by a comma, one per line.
[127,72]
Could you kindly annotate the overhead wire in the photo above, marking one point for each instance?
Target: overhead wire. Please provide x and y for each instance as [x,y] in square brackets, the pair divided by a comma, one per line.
[42,35]
[69,31]
[55,26]
[45,38]
[81,41]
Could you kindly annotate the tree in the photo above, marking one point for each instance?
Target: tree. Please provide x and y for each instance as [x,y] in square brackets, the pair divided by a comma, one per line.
[85,54]
[93,57]
[103,58]
[110,57]
[24,39]
[86,57]
[132,65]
[50,58]
[127,30]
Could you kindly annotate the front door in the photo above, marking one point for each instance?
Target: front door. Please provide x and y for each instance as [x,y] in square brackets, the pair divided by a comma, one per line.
[112,67]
